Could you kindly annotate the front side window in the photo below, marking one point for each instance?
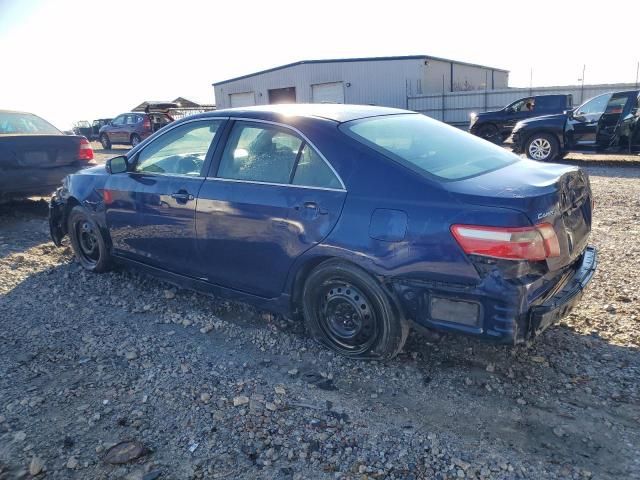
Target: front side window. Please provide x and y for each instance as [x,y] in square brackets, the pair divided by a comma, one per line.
[523,105]
[14,123]
[180,151]
[260,153]
[118,120]
[595,105]
[429,147]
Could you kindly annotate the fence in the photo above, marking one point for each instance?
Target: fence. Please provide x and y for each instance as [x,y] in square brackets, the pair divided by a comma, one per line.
[455,107]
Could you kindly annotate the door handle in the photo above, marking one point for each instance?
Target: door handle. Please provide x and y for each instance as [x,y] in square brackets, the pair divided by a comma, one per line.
[312,207]
[182,196]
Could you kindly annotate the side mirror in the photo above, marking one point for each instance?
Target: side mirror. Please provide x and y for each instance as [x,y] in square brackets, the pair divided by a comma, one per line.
[568,113]
[117,165]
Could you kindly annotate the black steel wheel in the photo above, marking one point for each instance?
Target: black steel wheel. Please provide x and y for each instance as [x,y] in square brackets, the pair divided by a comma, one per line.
[87,241]
[349,311]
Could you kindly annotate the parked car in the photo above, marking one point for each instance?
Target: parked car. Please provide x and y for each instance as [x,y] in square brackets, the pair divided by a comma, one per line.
[132,128]
[35,156]
[96,125]
[609,122]
[496,126]
[358,218]
[83,128]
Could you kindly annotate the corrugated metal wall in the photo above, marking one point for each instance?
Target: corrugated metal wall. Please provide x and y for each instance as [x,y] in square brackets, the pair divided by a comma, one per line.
[381,82]
[455,107]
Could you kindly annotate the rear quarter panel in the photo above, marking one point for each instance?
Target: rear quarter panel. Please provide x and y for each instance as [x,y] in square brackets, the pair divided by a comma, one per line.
[427,249]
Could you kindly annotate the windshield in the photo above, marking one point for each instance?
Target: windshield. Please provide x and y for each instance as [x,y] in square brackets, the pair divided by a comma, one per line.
[428,146]
[14,123]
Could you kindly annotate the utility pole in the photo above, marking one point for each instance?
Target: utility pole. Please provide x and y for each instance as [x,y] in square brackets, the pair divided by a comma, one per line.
[582,85]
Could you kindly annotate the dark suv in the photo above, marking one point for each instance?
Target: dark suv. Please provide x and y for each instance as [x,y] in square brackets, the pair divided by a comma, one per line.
[496,126]
[132,128]
[607,123]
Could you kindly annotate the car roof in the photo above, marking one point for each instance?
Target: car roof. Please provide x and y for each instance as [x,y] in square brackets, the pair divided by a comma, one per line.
[328,111]
[17,111]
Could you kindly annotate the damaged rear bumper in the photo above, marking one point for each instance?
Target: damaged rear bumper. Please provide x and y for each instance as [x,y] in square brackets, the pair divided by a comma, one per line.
[505,311]
[562,303]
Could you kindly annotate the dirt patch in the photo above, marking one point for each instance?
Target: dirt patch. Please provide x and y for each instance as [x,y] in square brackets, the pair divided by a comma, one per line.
[216,389]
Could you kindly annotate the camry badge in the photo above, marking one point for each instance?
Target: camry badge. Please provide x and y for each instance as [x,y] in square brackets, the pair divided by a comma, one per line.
[546,214]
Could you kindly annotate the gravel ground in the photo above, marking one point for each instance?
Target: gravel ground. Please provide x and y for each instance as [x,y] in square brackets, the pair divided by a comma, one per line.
[206,388]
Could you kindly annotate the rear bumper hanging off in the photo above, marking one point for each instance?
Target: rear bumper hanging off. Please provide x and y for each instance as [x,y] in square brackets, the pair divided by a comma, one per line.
[563,302]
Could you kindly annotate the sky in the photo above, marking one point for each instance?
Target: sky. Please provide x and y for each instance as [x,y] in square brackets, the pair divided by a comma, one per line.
[69,60]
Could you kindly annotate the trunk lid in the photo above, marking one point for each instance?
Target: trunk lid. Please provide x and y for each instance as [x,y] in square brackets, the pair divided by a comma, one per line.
[546,193]
[38,151]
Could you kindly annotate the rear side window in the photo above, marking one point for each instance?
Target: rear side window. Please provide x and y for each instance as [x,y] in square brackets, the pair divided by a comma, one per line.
[259,153]
[313,171]
[429,147]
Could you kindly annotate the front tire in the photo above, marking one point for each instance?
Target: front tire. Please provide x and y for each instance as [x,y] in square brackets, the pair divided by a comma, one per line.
[543,147]
[490,133]
[87,241]
[348,311]
[104,140]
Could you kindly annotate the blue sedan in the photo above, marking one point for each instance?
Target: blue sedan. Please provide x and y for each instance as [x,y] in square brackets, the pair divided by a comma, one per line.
[360,220]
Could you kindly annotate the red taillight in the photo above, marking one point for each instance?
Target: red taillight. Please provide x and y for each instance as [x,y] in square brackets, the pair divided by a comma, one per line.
[513,243]
[146,124]
[85,152]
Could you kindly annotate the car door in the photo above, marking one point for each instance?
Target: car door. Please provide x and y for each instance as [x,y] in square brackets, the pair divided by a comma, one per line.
[150,209]
[583,123]
[518,110]
[129,128]
[115,131]
[610,122]
[272,197]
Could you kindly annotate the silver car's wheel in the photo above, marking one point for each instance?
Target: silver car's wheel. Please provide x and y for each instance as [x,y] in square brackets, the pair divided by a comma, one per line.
[542,147]
[539,149]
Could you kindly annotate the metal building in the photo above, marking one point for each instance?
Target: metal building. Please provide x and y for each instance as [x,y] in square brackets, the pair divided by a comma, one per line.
[386,81]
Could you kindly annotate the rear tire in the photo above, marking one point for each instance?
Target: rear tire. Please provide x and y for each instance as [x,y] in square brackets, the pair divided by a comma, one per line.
[135,140]
[348,311]
[87,241]
[542,147]
[104,140]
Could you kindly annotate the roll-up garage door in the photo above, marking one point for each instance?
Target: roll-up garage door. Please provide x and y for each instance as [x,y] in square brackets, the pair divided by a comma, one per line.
[245,99]
[328,92]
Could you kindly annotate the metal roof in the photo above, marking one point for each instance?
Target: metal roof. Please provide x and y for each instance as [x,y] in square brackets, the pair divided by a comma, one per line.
[362,59]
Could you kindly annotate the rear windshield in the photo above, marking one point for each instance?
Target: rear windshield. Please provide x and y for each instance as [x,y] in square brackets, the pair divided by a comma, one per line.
[428,146]
[13,123]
